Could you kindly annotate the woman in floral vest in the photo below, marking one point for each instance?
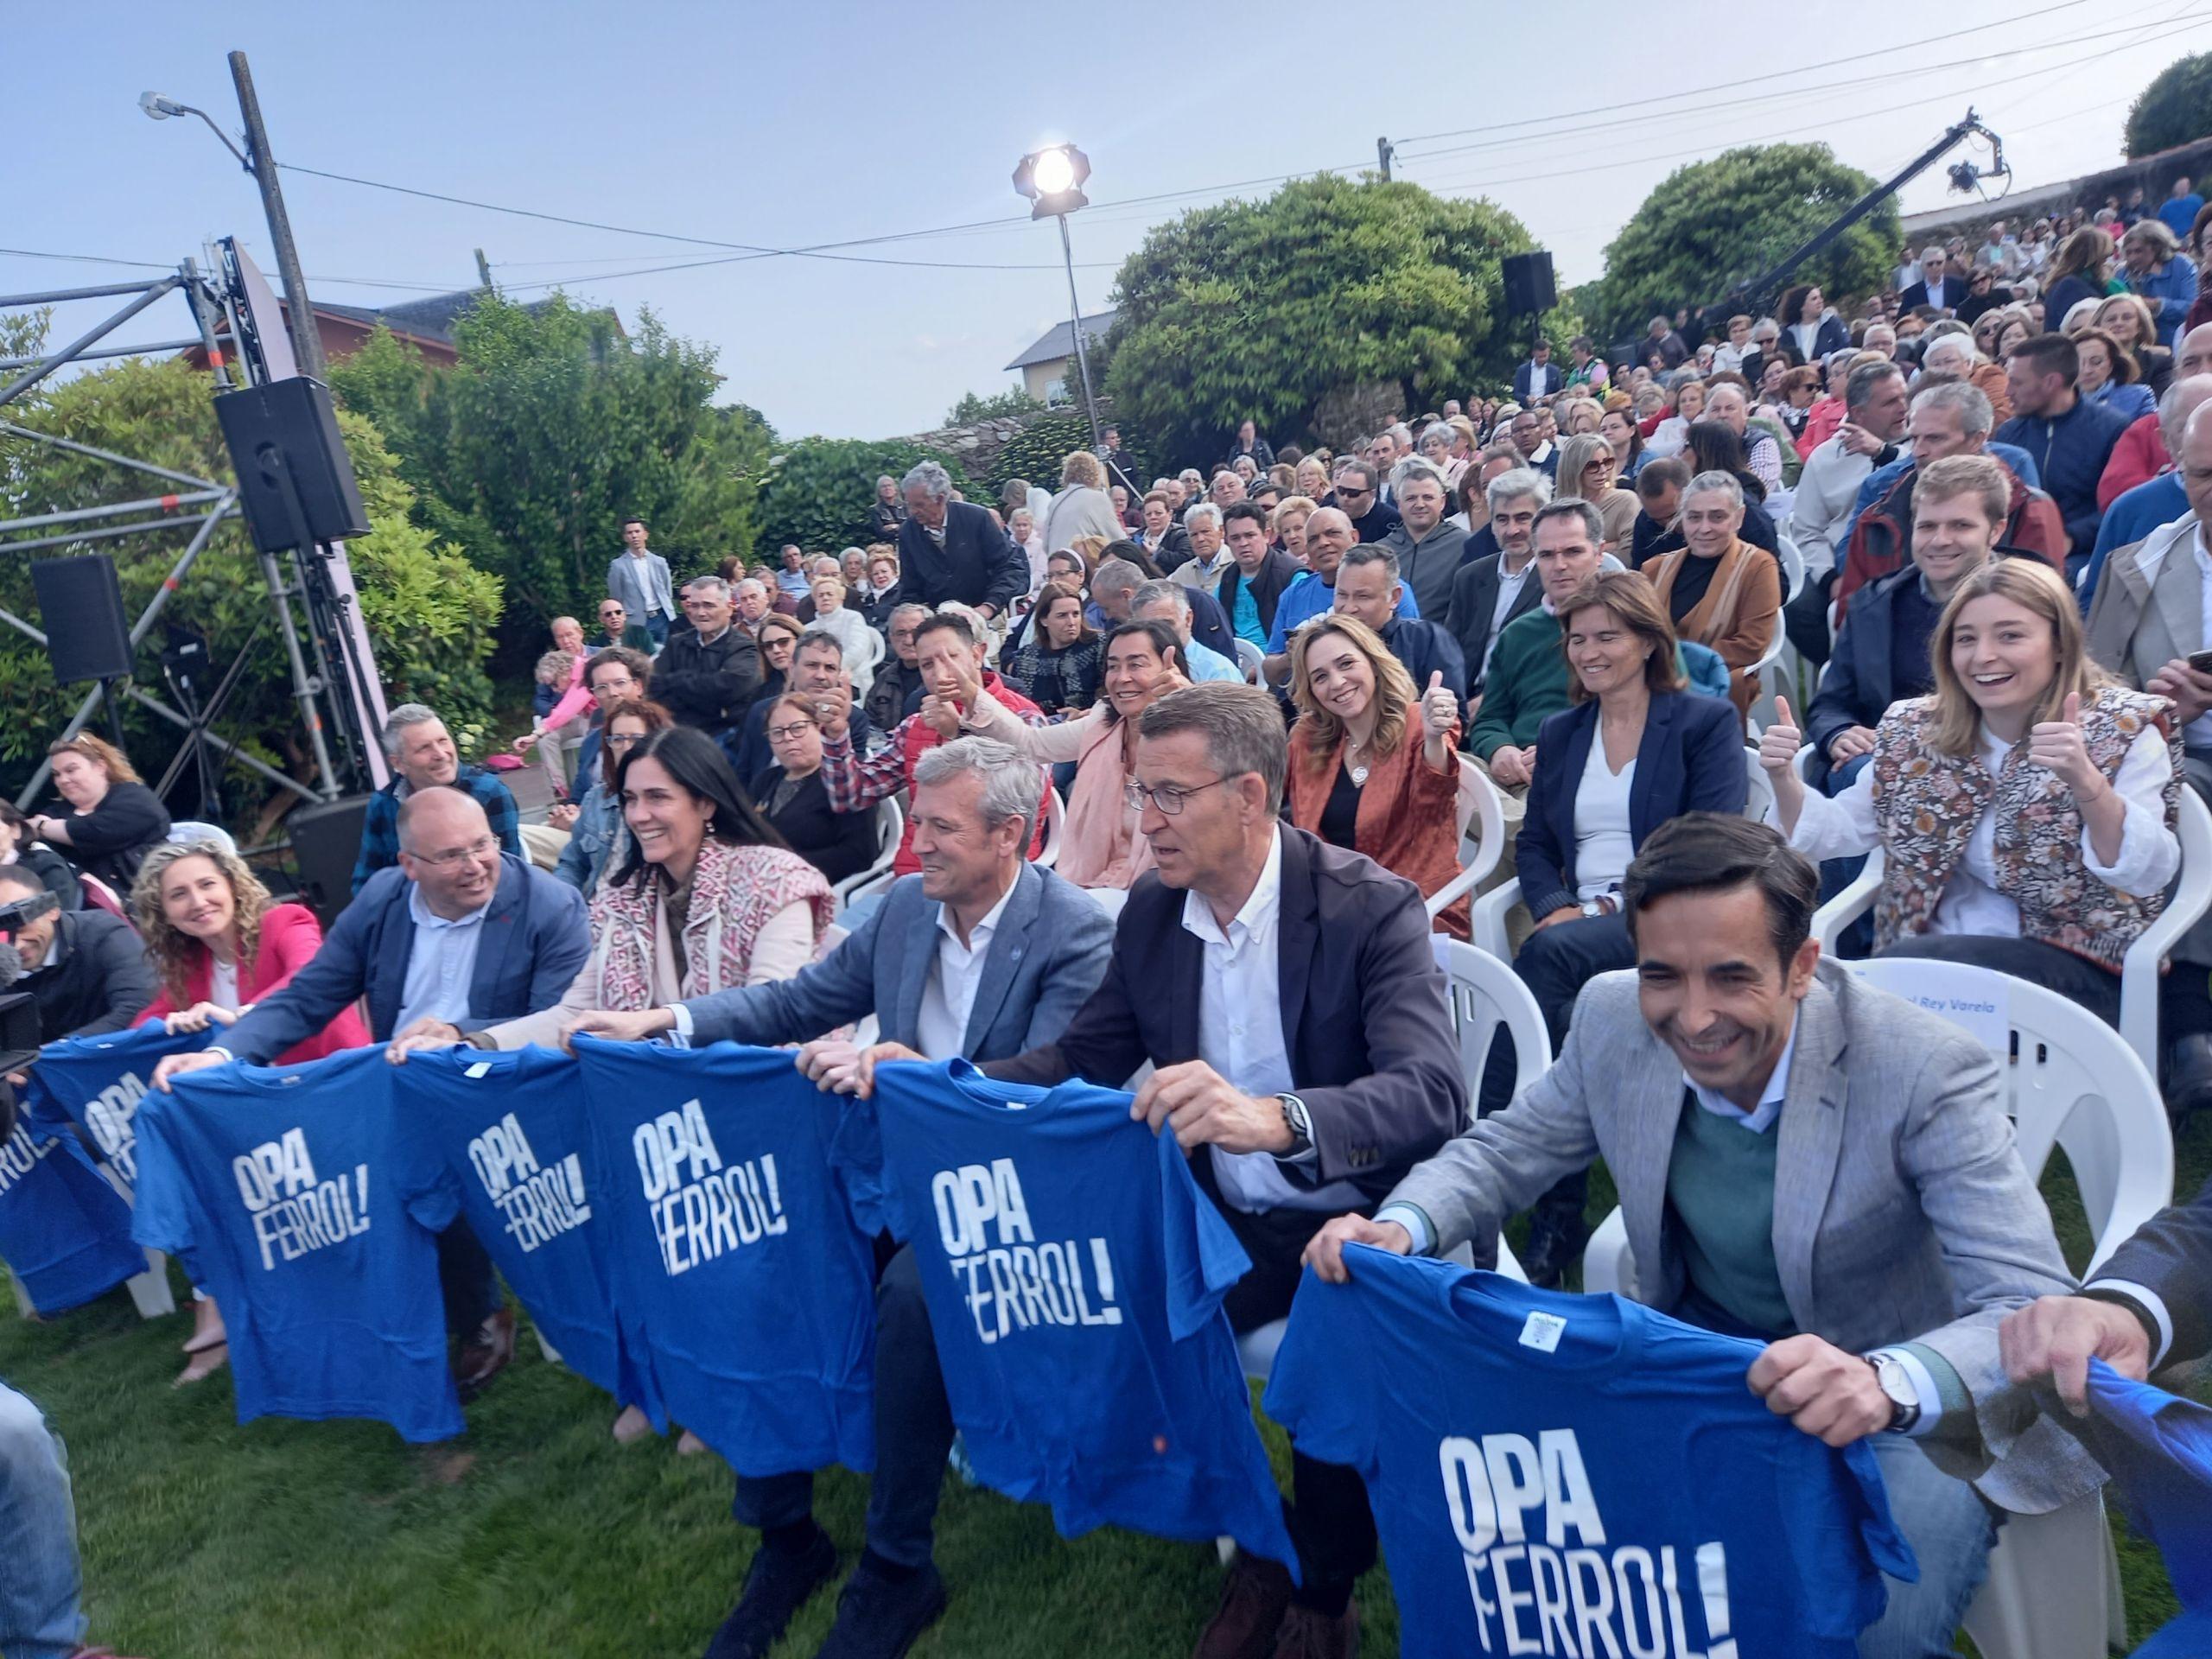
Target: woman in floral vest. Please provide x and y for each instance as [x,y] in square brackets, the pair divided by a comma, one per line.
[2026,811]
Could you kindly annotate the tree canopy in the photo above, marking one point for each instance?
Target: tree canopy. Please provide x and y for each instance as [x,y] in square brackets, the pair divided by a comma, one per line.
[552,428]
[1713,223]
[2176,108]
[815,494]
[1260,309]
[972,408]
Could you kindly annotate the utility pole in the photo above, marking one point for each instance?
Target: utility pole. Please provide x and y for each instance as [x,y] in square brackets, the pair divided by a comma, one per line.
[307,343]
[483,270]
[1385,150]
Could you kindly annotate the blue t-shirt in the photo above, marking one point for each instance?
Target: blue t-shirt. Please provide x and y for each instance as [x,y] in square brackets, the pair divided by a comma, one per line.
[98,1083]
[1305,596]
[63,1228]
[1074,1273]
[2157,1449]
[1560,1474]
[277,1186]
[502,1139]
[744,1287]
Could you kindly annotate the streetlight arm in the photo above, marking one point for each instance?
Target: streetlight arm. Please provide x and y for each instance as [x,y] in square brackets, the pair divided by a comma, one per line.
[220,134]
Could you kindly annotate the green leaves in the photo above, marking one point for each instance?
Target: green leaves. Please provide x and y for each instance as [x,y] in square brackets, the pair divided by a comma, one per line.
[1712,224]
[972,409]
[816,494]
[1259,310]
[2176,108]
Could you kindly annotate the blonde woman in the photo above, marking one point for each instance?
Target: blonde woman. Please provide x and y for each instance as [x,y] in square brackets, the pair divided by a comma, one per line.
[1081,507]
[1589,471]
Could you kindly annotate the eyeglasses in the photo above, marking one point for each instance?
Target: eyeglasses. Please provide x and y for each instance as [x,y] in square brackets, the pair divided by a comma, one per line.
[483,846]
[1346,493]
[622,739]
[785,733]
[1168,798]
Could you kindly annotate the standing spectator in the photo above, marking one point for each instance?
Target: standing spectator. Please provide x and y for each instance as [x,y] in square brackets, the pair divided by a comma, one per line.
[2159,275]
[1539,377]
[113,819]
[1429,551]
[1718,589]
[863,645]
[424,756]
[595,827]
[1809,329]
[1584,367]
[708,673]
[951,549]
[1061,657]
[1081,507]
[20,849]
[615,628]
[1937,289]
[1374,758]
[638,577]
[1253,585]
[1251,446]
[886,512]
[2070,440]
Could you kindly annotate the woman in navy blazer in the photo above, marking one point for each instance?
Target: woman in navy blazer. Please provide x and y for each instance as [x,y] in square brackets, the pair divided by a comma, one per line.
[1637,748]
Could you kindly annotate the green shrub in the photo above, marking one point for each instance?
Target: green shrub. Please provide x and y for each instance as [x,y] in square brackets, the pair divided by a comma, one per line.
[816,494]
[1037,452]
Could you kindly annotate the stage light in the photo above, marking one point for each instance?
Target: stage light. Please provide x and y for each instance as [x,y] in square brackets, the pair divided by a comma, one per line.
[1053,179]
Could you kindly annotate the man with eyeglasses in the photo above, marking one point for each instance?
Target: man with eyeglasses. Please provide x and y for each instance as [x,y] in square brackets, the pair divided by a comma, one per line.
[460,931]
[615,628]
[896,692]
[1358,495]
[1287,995]
[817,670]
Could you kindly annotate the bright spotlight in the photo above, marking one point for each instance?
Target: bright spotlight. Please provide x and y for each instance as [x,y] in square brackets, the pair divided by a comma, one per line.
[1052,179]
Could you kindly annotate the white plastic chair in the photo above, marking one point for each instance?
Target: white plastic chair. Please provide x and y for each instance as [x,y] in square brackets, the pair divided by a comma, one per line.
[2139,970]
[1768,675]
[2075,1084]
[1482,837]
[890,829]
[1056,816]
[1249,657]
[1758,788]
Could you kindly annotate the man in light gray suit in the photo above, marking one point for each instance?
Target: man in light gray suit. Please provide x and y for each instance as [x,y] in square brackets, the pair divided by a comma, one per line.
[638,577]
[982,956]
[1803,1160]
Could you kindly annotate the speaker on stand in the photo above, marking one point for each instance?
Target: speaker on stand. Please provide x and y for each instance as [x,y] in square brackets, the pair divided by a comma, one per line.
[87,635]
[1529,289]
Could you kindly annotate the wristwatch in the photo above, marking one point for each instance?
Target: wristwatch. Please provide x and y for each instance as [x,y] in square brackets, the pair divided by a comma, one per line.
[1299,1122]
[1603,904]
[1897,1385]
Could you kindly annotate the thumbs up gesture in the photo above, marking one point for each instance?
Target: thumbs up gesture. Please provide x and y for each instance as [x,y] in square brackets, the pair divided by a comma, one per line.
[1439,708]
[1779,743]
[2058,744]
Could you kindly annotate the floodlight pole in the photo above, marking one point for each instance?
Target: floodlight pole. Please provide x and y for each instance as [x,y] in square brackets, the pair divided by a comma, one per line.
[1075,321]
[307,343]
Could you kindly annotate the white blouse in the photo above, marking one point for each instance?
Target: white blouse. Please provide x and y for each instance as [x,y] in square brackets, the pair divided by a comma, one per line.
[2149,852]
[1603,845]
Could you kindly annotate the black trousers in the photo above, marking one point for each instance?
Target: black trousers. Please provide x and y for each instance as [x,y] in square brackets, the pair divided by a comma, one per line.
[1328,1515]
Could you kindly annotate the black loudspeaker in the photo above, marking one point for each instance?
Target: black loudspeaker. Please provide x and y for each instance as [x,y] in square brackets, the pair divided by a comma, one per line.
[289,426]
[1529,286]
[326,843]
[81,603]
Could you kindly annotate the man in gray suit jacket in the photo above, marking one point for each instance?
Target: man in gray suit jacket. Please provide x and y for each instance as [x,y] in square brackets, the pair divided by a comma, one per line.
[639,578]
[982,956]
[1804,1161]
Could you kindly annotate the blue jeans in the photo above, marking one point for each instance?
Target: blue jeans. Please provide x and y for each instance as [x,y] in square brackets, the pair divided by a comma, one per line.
[38,1580]
[657,625]
[1950,1531]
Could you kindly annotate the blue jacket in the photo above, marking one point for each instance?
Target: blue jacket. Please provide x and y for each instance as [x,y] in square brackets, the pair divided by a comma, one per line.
[535,944]
[2070,454]
[380,822]
[1048,955]
[2134,515]
[1691,760]
[592,837]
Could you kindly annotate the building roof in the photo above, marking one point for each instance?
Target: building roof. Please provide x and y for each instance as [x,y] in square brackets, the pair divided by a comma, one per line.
[1059,342]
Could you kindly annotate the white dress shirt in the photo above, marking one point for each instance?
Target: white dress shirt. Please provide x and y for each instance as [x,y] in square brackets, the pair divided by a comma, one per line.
[2149,853]
[949,994]
[441,963]
[1240,1036]
[1510,584]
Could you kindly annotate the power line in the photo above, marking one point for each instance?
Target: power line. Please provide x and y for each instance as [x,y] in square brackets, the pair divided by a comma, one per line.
[171,264]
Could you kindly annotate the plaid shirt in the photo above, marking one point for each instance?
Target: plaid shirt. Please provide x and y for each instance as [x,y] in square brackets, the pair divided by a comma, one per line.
[380,829]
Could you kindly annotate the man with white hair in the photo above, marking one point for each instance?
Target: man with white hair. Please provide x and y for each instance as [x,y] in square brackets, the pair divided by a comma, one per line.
[1938,287]
[952,549]
[2134,513]
[1208,558]
[708,673]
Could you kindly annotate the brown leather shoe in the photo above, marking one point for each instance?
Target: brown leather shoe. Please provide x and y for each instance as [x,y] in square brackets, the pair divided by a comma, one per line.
[1253,1601]
[1308,1634]
[485,1354]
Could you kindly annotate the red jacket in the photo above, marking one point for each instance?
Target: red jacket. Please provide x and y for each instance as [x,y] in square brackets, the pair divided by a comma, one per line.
[1882,539]
[2139,456]
[290,937]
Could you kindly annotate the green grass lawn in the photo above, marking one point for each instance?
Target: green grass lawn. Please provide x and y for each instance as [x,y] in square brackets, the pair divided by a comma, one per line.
[536,1534]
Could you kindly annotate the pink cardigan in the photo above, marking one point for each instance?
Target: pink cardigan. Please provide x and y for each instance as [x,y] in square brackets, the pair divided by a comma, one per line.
[290,937]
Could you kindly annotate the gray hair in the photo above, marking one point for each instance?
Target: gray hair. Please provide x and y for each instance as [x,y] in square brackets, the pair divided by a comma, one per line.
[1959,346]
[1934,251]
[1414,470]
[1583,513]
[884,478]
[712,587]
[1717,483]
[1012,786]
[1438,429]
[1401,432]
[912,608]
[2181,400]
[1862,381]
[1242,726]
[397,723]
[1151,592]
[932,478]
[1370,553]
[1200,510]
[1117,575]
[1511,485]
[820,637]
[1963,398]
[751,584]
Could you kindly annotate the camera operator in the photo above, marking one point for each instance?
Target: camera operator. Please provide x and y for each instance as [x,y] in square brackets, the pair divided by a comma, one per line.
[86,970]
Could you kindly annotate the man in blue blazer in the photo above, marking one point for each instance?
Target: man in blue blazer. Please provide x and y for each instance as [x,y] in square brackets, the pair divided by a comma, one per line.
[982,956]
[459,931]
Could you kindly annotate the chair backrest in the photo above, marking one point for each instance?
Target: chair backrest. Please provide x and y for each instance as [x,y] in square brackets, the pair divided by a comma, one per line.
[1758,788]
[1482,821]
[1249,657]
[1792,567]
[890,829]
[1485,993]
[1056,813]
[2066,1078]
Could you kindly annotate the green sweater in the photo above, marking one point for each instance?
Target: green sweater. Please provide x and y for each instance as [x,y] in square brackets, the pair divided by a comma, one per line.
[1525,686]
